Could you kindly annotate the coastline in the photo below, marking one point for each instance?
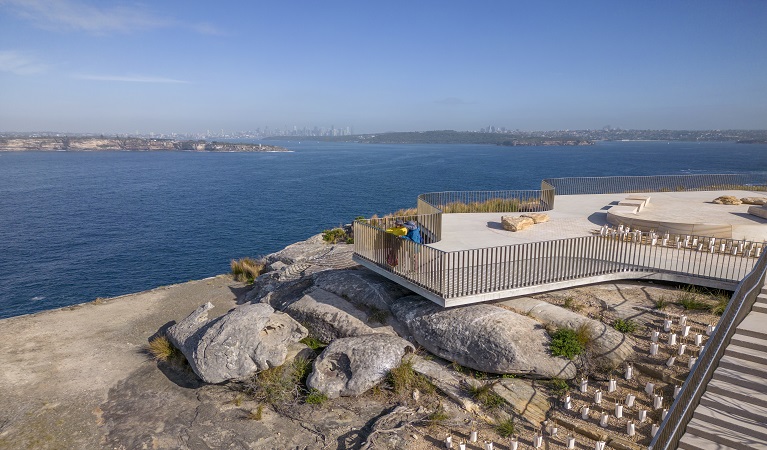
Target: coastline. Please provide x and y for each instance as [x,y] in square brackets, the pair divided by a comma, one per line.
[80,144]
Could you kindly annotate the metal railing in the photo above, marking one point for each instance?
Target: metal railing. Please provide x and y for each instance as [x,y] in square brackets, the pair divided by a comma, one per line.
[657,183]
[673,427]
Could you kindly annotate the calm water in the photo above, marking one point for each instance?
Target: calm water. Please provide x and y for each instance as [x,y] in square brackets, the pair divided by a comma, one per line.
[77,226]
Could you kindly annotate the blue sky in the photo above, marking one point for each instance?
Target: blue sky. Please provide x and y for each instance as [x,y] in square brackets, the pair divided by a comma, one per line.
[192,66]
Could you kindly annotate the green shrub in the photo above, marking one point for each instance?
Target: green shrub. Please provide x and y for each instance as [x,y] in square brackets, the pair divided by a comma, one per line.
[565,342]
[506,428]
[247,269]
[335,235]
[626,326]
[315,397]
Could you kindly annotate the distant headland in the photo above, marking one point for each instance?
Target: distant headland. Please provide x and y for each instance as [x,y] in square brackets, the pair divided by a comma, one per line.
[89,143]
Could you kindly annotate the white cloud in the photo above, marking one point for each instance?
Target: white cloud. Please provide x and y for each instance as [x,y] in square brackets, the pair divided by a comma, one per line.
[77,16]
[19,63]
[129,78]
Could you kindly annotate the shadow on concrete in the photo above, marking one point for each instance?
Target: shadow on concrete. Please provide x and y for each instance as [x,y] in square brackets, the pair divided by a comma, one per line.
[495,225]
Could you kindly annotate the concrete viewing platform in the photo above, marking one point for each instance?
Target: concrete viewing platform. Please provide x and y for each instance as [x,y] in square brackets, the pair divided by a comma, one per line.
[582,215]
[684,238]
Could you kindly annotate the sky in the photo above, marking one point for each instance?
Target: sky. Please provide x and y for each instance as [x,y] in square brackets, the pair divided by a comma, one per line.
[190,66]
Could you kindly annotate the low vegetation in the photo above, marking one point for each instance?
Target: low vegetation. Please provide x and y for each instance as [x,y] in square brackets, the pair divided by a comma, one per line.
[247,269]
[571,304]
[558,386]
[485,395]
[337,236]
[662,303]
[314,344]
[625,326]
[315,397]
[404,380]
[439,416]
[162,350]
[570,343]
[722,300]
[506,428]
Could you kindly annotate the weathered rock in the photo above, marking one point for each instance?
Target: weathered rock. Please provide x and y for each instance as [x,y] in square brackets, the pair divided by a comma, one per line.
[512,223]
[361,287]
[529,401]
[350,366]
[609,346]
[483,337]
[754,200]
[727,200]
[328,316]
[537,217]
[279,294]
[247,339]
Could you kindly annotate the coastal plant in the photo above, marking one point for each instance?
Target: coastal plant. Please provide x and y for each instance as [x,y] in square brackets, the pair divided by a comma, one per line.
[314,343]
[722,300]
[301,368]
[688,299]
[570,303]
[315,397]
[247,269]
[506,427]
[257,414]
[485,395]
[439,416]
[566,342]
[625,326]
[162,350]
[404,380]
[558,386]
[662,303]
[335,236]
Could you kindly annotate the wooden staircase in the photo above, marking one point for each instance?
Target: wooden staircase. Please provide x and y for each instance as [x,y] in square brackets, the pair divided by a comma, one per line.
[732,413]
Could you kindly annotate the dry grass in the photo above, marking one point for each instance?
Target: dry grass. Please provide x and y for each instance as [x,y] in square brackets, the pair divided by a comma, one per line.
[247,269]
[162,350]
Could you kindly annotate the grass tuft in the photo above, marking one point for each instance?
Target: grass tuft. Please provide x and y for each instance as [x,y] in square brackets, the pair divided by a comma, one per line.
[722,300]
[558,386]
[247,269]
[162,350]
[662,303]
[570,304]
[404,380]
[506,428]
[257,414]
[439,416]
[485,395]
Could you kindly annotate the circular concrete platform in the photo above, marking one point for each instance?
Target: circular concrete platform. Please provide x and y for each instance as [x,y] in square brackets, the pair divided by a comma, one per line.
[692,213]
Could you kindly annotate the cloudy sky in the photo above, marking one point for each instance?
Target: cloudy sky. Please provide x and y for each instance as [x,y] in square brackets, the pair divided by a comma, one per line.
[191,66]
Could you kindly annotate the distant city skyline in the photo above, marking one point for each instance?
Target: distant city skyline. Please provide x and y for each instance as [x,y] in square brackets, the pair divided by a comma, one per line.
[86,66]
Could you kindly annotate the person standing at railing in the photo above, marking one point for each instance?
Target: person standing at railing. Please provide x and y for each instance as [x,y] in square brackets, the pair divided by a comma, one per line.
[400,231]
[413,234]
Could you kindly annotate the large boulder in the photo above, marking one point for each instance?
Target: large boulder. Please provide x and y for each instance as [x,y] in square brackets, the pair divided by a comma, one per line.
[537,217]
[511,223]
[754,200]
[727,200]
[247,339]
[361,287]
[609,347]
[483,337]
[350,366]
[328,316]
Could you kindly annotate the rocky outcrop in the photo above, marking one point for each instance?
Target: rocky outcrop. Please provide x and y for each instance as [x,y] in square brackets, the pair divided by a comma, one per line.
[351,366]
[727,200]
[483,337]
[328,316]
[247,339]
[537,217]
[361,287]
[609,347]
[511,223]
[754,200]
[758,211]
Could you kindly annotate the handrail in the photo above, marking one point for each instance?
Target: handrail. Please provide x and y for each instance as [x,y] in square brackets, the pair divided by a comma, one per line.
[657,183]
[681,411]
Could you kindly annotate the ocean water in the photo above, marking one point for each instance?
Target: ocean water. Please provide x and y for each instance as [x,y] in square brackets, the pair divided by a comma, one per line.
[81,225]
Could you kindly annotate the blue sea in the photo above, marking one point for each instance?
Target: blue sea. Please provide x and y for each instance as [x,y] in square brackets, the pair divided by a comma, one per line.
[75,226]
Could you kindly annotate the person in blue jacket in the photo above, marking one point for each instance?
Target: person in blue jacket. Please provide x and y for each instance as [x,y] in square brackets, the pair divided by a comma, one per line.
[413,232]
